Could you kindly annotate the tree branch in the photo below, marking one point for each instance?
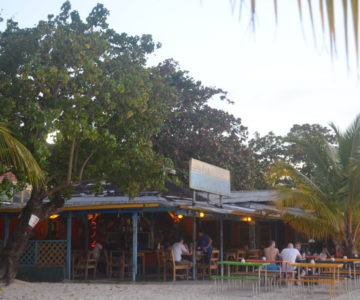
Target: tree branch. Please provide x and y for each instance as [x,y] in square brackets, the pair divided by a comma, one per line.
[71,159]
[51,207]
[54,176]
[85,163]
[76,157]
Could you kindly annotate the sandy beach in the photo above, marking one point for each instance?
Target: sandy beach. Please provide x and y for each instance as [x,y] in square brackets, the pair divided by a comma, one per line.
[181,290]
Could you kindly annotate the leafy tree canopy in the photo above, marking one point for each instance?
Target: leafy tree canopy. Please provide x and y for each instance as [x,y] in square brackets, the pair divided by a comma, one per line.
[88,86]
[194,129]
[314,132]
[266,150]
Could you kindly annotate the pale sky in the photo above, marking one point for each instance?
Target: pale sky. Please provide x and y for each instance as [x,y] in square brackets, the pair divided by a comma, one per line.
[277,77]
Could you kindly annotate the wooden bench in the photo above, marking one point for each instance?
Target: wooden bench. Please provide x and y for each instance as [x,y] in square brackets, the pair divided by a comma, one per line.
[326,277]
[254,279]
[235,277]
[348,272]
[312,282]
[269,280]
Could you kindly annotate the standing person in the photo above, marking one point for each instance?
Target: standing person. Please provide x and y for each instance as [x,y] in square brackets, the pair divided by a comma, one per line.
[205,243]
[179,249]
[289,254]
[272,253]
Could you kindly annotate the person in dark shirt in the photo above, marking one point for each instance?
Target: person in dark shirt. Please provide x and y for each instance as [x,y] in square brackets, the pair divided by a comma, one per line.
[205,243]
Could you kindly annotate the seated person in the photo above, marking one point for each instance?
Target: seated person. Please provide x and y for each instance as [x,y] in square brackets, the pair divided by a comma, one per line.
[324,254]
[179,249]
[302,251]
[289,254]
[271,253]
[97,250]
[339,250]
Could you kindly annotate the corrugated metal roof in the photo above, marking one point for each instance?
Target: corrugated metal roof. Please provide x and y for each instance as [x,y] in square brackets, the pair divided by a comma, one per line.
[245,196]
[240,203]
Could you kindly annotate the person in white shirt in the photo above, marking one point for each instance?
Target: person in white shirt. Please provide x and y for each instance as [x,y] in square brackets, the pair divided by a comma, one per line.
[289,254]
[179,249]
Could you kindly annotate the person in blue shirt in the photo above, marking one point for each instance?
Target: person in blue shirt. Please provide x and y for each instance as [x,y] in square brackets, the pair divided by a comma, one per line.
[205,243]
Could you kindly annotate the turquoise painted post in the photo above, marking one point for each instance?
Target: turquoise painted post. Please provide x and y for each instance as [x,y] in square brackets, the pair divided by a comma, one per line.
[221,238]
[252,235]
[135,218]
[68,246]
[7,229]
[221,232]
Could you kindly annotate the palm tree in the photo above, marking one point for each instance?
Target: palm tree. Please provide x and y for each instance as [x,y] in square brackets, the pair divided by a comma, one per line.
[325,204]
[17,157]
[327,14]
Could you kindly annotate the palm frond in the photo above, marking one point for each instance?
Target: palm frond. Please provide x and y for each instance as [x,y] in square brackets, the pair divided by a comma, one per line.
[326,204]
[282,169]
[327,13]
[15,155]
[276,11]
[324,156]
[355,17]
[346,31]
[311,226]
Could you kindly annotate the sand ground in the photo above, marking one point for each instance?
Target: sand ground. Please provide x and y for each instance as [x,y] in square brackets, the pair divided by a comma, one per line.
[180,290]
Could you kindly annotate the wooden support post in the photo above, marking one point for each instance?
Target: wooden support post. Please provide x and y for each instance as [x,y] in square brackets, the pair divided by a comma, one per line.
[221,238]
[68,245]
[7,230]
[135,218]
[252,235]
[194,275]
[194,239]
[222,243]
[276,228]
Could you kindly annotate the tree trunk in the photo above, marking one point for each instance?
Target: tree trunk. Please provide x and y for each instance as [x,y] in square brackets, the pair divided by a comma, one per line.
[16,245]
[350,247]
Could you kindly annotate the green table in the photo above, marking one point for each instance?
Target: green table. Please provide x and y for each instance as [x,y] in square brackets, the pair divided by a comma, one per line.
[260,266]
[230,263]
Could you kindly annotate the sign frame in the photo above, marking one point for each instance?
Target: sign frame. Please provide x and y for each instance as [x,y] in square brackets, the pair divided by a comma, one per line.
[209,178]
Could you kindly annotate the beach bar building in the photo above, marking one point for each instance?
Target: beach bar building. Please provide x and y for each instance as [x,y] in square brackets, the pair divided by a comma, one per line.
[149,222]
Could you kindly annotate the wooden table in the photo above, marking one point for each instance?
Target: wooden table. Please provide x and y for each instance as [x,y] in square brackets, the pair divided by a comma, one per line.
[334,267]
[142,255]
[352,260]
[313,256]
[351,264]
[271,262]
